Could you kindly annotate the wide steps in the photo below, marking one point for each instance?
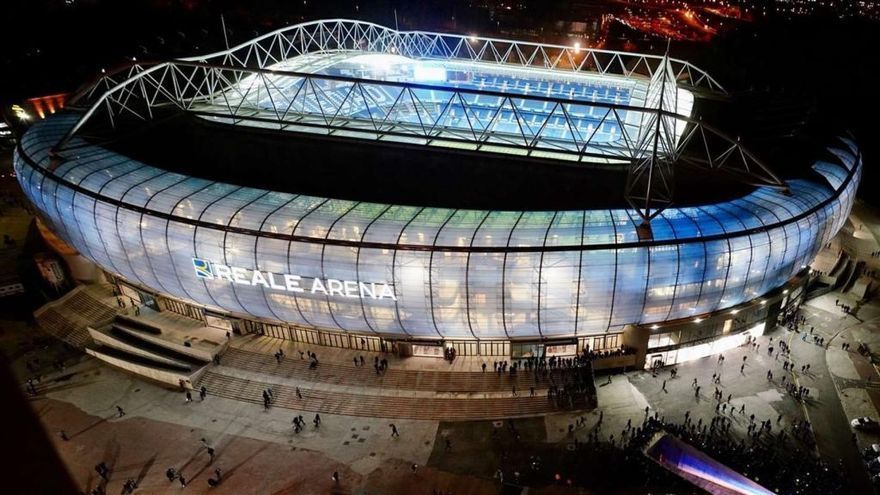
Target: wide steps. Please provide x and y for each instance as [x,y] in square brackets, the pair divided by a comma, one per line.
[399,379]
[67,318]
[382,406]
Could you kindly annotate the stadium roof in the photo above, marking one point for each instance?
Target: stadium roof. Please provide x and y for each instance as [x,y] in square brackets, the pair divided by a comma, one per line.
[475,99]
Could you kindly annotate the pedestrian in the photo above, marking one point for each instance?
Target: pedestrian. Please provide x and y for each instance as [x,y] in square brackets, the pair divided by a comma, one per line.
[484,370]
[531,391]
[63,435]
[203,392]
[355,359]
[513,389]
[298,393]
[394,432]
[182,481]
[664,386]
[170,473]
[448,444]
[335,477]
[317,420]
[362,359]
[211,453]
[119,411]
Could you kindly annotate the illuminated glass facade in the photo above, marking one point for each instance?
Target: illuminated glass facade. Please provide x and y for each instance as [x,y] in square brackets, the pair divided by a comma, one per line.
[453,273]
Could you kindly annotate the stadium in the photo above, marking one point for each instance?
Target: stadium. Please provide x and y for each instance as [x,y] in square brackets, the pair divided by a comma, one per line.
[338,181]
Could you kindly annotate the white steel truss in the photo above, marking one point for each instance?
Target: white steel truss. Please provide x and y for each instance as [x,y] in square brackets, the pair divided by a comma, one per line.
[239,86]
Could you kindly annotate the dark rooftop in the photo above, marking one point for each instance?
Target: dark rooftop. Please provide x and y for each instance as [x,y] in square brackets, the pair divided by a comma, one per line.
[361,170]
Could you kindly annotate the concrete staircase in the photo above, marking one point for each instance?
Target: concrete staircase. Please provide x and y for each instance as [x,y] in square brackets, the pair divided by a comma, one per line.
[163,349]
[337,386]
[69,317]
[464,408]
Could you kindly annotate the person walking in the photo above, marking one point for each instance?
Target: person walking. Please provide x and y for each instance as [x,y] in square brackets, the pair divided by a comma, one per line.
[298,393]
[182,481]
[211,453]
[394,432]
[203,392]
[119,411]
[664,386]
[317,420]
[189,397]
[335,477]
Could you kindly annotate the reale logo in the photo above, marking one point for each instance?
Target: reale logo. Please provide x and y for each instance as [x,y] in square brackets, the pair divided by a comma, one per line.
[203,268]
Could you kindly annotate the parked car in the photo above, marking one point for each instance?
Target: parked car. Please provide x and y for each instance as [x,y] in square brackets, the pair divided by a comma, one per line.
[865,423]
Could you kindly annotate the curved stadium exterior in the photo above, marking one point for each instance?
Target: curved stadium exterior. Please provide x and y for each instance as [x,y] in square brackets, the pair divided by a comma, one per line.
[411,271]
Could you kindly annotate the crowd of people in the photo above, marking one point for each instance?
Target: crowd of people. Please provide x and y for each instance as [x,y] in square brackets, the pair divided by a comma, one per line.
[782,459]
[606,353]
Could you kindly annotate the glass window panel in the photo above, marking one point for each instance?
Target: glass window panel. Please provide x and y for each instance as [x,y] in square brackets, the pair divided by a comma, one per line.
[414,292]
[531,229]
[374,267]
[484,285]
[596,290]
[521,293]
[422,231]
[448,273]
[495,230]
[459,231]
[559,292]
